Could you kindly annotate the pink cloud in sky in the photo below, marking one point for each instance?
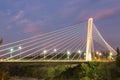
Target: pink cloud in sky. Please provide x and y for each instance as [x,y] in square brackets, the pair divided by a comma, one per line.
[29,26]
[67,12]
[12,19]
[71,8]
[8,27]
[106,13]
[30,29]
[16,17]
[19,15]
[103,13]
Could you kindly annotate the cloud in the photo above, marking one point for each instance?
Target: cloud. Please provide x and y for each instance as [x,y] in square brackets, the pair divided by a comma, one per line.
[97,14]
[82,10]
[8,27]
[67,12]
[105,13]
[8,19]
[19,15]
[71,8]
[30,29]
[29,26]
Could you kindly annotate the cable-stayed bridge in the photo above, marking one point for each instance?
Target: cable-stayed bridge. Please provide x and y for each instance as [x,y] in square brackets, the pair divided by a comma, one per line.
[73,44]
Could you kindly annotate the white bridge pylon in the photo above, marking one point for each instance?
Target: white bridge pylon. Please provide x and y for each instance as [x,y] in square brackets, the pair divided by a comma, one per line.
[90,45]
[89,40]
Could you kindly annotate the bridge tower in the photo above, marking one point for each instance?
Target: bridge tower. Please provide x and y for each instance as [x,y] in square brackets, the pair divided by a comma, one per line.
[89,40]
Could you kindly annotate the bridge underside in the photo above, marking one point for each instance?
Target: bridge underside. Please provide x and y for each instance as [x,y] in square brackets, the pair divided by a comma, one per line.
[40,62]
[53,61]
[47,62]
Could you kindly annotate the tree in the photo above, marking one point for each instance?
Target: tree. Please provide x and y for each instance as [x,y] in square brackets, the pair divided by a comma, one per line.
[94,71]
[1,41]
[118,57]
[118,50]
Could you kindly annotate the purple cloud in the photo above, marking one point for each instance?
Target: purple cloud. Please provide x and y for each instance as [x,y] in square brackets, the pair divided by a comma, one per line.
[29,26]
[106,13]
[9,19]
[19,15]
[72,7]
[30,29]
[97,14]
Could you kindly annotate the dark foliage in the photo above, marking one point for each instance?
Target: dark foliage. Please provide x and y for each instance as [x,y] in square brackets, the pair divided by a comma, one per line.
[1,41]
[118,57]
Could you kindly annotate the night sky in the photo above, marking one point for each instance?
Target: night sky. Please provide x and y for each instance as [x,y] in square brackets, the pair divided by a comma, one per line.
[21,19]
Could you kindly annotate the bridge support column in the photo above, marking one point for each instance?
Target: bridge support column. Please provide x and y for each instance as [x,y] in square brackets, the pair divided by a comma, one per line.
[89,40]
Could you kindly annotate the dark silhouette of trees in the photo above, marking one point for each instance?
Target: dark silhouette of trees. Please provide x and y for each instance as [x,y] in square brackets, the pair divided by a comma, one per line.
[87,71]
[1,41]
[83,71]
[118,50]
[118,57]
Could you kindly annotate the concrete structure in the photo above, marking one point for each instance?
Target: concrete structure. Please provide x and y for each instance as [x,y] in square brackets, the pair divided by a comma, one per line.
[89,40]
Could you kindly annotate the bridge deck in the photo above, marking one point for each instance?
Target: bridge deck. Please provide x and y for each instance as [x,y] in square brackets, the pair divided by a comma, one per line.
[52,61]
[46,62]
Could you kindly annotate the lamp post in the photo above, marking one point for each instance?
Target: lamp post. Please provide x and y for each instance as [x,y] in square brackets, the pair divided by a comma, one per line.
[68,55]
[55,50]
[110,55]
[20,48]
[79,52]
[97,54]
[100,54]
[11,52]
[44,53]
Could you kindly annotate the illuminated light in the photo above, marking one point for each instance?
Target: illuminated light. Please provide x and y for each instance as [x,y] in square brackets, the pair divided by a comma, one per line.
[111,54]
[45,51]
[11,50]
[55,50]
[95,58]
[68,53]
[100,54]
[79,51]
[97,52]
[20,47]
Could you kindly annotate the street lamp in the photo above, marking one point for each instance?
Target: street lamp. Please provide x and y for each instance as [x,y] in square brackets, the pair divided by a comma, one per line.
[68,55]
[98,54]
[20,48]
[11,51]
[55,50]
[110,55]
[79,52]
[44,52]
